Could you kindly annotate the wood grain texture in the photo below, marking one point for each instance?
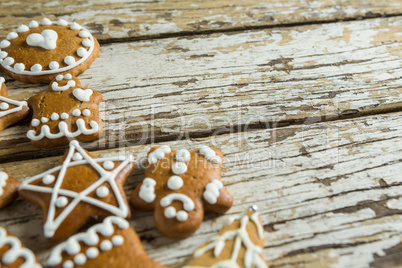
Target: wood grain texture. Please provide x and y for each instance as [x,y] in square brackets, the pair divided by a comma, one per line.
[156,90]
[123,19]
[329,194]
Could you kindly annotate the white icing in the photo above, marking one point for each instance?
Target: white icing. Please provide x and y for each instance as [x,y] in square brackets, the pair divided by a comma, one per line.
[46,39]
[158,154]
[175,183]
[87,42]
[4,43]
[22,28]
[59,77]
[36,68]
[170,212]
[3,54]
[83,95]
[210,154]
[84,34]
[33,24]
[35,122]
[68,264]
[46,21]
[64,132]
[19,67]
[147,190]
[102,191]
[182,215]
[69,60]
[48,179]
[12,35]
[52,221]
[91,238]
[62,22]
[108,165]
[61,201]
[7,61]
[3,181]
[76,112]
[179,168]
[75,26]
[211,192]
[117,240]
[182,155]
[240,237]
[54,65]
[80,259]
[16,251]
[4,106]
[54,116]
[82,52]
[77,157]
[68,76]
[64,116]
[56,87]
[188,205]
[86,112]
[19,105]
[44,120]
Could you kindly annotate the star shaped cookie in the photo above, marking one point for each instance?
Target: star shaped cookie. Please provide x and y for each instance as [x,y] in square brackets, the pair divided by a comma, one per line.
[11,111]
[79,189]
[8,189]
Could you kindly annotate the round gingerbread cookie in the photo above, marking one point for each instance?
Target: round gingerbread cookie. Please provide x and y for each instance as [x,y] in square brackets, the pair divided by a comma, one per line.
[38,52]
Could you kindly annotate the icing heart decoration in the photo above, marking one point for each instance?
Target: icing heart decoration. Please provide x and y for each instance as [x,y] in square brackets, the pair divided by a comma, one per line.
[46,39]
[83,95]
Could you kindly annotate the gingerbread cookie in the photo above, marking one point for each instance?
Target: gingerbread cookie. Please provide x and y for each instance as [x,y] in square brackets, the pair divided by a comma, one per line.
[179,186]
[79,189]
[11,111]
[112,243]
[13,254]
[8,189]
[65,112]
[239,244]
[38,52]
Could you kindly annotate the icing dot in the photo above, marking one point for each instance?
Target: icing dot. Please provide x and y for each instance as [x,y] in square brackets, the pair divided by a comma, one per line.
[68,264]
[48,179]
[108,165]
[175,183]
[75,26]
[152,159]
[46,21]
[92,253]
[102,191]
[33,24]
[12,35]
[61,201]
[54,65]
[19,67]
[54,116]
[8,61]
[35,122]
[179,168]
[106,245]
[68,76]
[182,215]
[158,154]
[4,43]
[170,212]
[86,112]
[80,259]
[76,112]
[215,159]
[165,148]
[44,120]
[77,157]
[84,34]
[3,54]
[36,68]
[86,42]
[117,240]
[64,116]
[59,77]
[62,22]
[4,106]
[69,60]
[183,155]
[82,52]
[22,28]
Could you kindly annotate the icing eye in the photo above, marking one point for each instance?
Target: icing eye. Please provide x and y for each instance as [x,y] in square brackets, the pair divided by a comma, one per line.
[54,117]
[59,77]
[76,112]
[4,106]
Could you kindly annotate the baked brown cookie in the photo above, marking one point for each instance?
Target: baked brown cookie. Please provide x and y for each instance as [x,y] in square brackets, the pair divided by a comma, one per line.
[79,189]
[38,52]
[64,112]
[238,245]
[13,254]
[112,243]
[179,186]
[8,189]
[11,111]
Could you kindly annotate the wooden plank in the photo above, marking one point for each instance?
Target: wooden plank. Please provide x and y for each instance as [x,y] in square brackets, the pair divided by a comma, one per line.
[329,194]
[148,18]
[157,90]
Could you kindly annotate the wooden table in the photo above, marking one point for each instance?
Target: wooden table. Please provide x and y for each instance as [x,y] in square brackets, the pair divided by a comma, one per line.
[302,97]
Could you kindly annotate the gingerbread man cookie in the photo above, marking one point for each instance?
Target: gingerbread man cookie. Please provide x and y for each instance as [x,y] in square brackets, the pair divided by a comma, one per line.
[13,254]
[179,186]
[38,52]
[112,243]
[8,189]
[65,112]
[79,189]
[238,245]
[11,111]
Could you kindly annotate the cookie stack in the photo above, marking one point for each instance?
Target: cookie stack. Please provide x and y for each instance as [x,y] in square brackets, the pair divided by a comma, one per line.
[179,186]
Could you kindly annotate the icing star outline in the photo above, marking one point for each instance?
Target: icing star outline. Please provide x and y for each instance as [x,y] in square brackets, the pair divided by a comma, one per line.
[59,196]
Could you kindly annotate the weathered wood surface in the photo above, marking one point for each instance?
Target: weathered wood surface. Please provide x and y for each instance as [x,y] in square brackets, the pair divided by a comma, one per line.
[173,88]
[329,194]
[122,19]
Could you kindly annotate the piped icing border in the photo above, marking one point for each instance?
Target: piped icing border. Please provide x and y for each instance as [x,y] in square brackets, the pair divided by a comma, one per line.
[16,251]
[36,69]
